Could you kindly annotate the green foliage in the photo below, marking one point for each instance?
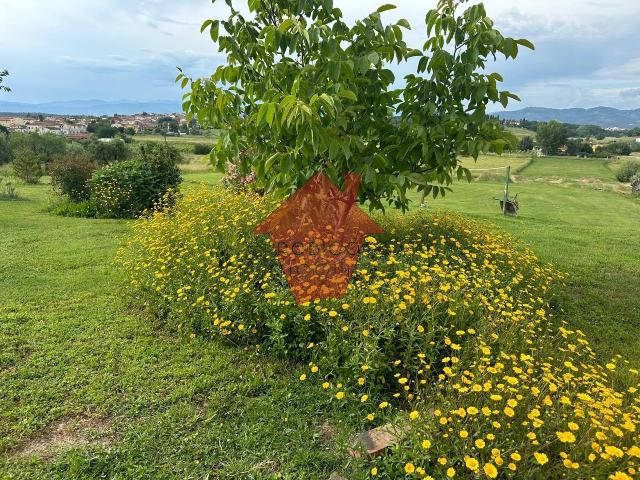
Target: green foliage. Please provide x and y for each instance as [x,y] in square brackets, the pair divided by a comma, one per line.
[578,147]
[7,190]
[26,165]
[311,93]
[6,154]
[202,148]
[616,148]
[82,209]
[44,147]
[628,170]
[160,153]
[102,129]
[526,144]
[551,136]
[635,183]
[105,153]
[126,189]
[3,74]
[70,175]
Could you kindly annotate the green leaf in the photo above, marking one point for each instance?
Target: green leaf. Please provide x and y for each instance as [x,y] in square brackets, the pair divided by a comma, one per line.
[526,43]
[215,29]
[404,23]
[205,24]
[386,7]
[286,25]
[348,94]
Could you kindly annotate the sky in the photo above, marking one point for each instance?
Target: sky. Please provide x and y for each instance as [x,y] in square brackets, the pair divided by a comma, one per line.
[586,53]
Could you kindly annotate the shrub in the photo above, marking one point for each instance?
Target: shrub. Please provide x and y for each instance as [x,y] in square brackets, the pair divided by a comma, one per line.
[70,175]
[443,318]
[105,153]
[6,155]
[26,165]
[84,209]
[128,188]
[7,190]
[44,147]
[635,184]
[627,170]
[202,148]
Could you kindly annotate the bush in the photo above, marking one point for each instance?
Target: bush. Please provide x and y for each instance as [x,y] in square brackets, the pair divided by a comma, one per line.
[202,149]
[128,188]
[445,330]
[84,209]
[8,190]
[26,165]
[635,184]
[44,147]
[106,153]
[70,175]
[6,155]
[627,170]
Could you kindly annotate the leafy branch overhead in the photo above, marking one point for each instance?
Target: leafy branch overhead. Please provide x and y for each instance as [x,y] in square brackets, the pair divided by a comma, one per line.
[308,92]
[4,73]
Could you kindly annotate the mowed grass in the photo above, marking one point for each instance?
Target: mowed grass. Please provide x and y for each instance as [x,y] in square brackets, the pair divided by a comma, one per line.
[73,350]
[164,406]
[569,168]
[516,161]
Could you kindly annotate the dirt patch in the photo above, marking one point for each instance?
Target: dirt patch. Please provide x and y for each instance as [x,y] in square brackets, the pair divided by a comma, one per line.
[327,433]
[68,432]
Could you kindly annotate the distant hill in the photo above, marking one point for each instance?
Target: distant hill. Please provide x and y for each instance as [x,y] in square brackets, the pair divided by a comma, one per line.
[602,116]
[91,107]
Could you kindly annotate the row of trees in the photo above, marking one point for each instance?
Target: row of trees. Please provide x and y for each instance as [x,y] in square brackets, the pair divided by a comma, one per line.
[44,147]
[554,137]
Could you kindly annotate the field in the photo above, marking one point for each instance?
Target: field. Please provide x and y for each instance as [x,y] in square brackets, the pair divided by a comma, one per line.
[89,384]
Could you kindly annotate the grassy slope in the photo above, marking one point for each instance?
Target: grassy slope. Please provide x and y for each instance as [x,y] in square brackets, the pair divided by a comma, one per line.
[179,408]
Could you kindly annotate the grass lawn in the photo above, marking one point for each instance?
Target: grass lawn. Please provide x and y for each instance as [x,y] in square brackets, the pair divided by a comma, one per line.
[148,403]
[569,168]
[499,162]
[94,389]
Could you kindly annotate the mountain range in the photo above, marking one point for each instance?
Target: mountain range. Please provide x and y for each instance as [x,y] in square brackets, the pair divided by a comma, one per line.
[92,107]
[605,117]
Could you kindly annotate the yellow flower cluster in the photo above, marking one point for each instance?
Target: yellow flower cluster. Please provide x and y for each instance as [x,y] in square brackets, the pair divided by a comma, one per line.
[445,328]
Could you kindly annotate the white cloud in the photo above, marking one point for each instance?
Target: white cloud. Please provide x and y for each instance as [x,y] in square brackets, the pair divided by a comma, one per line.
[64,49]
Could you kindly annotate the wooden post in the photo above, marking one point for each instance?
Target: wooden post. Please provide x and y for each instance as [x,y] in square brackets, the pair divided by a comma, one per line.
[506,190]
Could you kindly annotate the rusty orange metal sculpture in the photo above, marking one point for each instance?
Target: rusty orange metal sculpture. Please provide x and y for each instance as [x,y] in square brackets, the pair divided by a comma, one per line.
[317,234]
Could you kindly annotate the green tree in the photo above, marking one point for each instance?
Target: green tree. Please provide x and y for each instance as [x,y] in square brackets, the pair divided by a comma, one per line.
[6,155]
[44,147]
[102,129]
[3,75]
[26,165]
[525,144]
[105,153]
[551,136]
[310,93]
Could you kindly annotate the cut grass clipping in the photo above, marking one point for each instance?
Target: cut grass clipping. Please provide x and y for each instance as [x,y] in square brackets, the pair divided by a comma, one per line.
[445,331]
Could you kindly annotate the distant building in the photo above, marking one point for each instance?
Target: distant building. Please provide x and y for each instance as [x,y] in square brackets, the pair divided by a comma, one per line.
[638,140]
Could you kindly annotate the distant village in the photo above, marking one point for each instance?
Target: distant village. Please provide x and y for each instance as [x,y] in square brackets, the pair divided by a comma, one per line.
[78,127]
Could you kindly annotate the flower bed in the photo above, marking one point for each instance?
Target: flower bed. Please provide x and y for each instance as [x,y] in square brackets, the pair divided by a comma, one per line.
[444,329]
